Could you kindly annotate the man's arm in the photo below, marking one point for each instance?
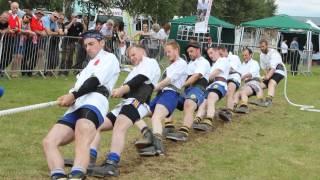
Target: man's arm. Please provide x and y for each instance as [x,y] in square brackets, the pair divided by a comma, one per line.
[162,84]
[132,84]
[194,78]
[90,85]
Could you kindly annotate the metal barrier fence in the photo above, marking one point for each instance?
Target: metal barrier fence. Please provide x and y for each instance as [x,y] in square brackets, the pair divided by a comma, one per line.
[56,55]
[61,55]
[297,61]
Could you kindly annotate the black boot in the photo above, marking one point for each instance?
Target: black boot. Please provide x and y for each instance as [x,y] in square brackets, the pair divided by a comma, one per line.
[146,140]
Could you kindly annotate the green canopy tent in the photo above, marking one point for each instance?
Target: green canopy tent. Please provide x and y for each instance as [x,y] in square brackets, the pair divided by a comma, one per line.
[182,30]
[283,23]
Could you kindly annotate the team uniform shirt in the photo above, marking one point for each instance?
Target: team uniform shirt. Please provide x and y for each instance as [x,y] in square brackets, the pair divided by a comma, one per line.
[235,65]
[251,67]
[138,97]
[223,65]
[169,96]
[177,74]
[199,66]
[272,60]
[150,69]
[105,67]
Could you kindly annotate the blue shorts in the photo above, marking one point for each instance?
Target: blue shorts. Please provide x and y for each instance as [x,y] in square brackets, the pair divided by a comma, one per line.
[194,93]
[71,119]
[216,88]
[167,98]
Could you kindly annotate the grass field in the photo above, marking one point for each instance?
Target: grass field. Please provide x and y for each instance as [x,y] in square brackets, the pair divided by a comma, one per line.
[280,142]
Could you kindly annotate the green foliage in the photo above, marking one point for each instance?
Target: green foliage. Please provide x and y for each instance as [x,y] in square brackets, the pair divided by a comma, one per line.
[237,12]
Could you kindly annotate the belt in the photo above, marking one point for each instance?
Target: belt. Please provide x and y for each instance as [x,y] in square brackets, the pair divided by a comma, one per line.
[172,87]
[103,90]
[235,72]
[220,79]
[280,67]
[253,79]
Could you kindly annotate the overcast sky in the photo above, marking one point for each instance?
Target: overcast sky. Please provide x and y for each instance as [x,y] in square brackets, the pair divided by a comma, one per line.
[299,7]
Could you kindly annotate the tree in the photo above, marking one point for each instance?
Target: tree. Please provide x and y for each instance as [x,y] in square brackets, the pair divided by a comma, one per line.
[240,11]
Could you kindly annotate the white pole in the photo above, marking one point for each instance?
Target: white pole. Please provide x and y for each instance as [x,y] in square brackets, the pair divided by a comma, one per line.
[28,108]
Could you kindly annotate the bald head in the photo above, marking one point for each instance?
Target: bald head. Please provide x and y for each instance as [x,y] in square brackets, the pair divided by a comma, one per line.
[14,6]
[136,54]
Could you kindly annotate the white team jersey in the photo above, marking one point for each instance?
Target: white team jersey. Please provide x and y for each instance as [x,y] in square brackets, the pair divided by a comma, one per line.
[199,65]
[147,67]
[105,66]
[251,67]
[177,73]
[271,60]
[235,65]
[223,65]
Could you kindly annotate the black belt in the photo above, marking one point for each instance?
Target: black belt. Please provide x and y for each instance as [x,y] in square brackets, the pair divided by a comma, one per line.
[220,79]
[103,90]
[280,67]
[172,87]
[235,72]
[253,79]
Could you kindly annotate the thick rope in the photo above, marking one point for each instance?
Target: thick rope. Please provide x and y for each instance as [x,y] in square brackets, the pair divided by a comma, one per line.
[27,108]
[302,106]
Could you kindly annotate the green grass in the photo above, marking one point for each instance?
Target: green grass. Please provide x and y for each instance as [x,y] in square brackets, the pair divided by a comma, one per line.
[280,142]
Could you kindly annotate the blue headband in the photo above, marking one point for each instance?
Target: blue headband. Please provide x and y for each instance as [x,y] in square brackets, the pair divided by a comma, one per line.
[93,34]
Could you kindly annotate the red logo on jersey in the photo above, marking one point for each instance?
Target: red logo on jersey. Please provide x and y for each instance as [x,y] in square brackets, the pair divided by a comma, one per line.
[97,62]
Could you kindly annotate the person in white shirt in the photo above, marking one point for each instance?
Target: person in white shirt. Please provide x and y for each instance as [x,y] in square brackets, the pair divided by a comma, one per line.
[284,51]
[233,81]
[166,101]
[250,71]
[198,70]
[273,69]
[135,91]
[215,91]
[87,104]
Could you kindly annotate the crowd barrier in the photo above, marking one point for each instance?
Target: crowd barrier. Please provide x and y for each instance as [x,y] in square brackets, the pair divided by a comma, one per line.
[61,55]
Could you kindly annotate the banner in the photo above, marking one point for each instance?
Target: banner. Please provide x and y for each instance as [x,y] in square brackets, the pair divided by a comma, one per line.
[203,14]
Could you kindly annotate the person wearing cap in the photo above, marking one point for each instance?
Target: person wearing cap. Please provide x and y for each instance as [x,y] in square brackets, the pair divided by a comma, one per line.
[87,104]
[194,90]
[217,89]
[136,91]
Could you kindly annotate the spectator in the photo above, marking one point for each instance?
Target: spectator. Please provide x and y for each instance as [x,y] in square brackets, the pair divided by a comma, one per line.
[74,29]
[144,34]
[52,29]
[34,56]
[4,28]
[294,56]
[98,26]
[107,29]
[14,29]
[122,41]
[61,24]
[25,33]
[107,32]
[284,51]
